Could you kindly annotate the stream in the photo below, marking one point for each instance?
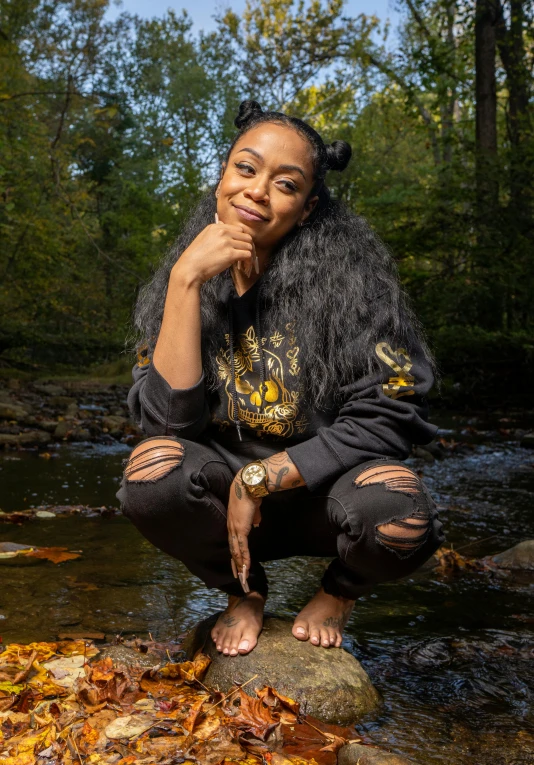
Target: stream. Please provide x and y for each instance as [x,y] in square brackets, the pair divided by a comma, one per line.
[452,655]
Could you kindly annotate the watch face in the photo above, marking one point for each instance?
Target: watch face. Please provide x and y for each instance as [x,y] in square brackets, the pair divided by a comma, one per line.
[253,475]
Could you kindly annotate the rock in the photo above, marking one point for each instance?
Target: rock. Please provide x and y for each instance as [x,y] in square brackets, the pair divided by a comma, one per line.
[72,411]
[328,683]
[48,425]
[356,754]
[63,428]
[527,440]
[12,412]
[81,434]
[424,454]
[519,557]
[128,657]
[49,389]
[29,438]
[114,423]
[63,402]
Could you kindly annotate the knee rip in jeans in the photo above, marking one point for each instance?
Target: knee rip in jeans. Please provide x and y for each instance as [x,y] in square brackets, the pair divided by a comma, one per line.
[404,536]
[153,459]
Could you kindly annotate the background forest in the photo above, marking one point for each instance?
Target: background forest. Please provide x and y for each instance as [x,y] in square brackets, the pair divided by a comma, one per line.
[110,130]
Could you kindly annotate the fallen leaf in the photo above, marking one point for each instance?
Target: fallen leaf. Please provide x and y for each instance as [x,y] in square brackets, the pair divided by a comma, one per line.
[86,741]
[128,727]
[54,554]
[190,671]
[251,716]
[66,670]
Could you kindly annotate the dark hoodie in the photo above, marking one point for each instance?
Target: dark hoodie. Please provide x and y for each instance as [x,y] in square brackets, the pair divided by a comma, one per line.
[257,410]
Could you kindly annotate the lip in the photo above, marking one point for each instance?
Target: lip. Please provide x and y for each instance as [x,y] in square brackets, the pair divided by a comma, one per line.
[248,213]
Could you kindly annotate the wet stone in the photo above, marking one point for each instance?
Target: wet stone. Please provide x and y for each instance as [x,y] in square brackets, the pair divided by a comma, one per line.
[329,684]
[128,657]
[12,412]
[63,402]
[356,754]
[28,438]
[519,557]
[49,389]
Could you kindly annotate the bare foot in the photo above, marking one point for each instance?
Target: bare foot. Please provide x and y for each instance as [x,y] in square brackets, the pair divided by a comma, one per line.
[237,629]
[323,619]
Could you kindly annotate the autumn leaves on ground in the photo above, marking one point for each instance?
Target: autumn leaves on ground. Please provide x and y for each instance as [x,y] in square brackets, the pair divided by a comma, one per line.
[60,704]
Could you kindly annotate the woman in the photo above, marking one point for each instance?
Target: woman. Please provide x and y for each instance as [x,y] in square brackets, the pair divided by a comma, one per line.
[282,383]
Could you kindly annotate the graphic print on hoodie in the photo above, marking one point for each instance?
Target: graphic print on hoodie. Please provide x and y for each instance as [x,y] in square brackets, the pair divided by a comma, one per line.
[277,412]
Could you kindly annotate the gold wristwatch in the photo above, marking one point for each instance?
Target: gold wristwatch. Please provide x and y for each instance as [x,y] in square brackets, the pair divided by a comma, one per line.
[254,477]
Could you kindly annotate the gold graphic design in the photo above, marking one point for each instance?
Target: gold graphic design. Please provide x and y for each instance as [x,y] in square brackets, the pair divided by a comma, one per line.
[280,407]
[401,385]
[276,339]
[142,356]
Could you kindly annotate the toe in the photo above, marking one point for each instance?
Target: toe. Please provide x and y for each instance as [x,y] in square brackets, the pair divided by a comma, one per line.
[332,636]
[339,638]
[247,643]
[233,645]
[325,638]
[300,630]
[315,636]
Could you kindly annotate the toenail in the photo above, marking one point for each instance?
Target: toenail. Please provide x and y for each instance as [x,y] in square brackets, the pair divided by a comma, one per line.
[244,645]
[233,652]
[301,630]
[315,640]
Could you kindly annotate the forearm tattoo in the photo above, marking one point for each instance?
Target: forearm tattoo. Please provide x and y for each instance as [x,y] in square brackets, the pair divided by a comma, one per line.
[278,467]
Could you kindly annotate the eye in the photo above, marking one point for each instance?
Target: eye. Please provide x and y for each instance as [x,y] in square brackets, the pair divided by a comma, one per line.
[245,167]
[290,185]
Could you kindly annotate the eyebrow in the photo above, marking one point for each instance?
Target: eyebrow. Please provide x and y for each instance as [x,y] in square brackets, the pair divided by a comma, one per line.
[280,167]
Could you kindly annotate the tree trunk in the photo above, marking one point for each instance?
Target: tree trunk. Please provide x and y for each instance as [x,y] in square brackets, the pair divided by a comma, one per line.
[486,108]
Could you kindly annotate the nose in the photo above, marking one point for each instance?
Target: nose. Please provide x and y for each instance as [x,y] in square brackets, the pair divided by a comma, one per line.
[258,189]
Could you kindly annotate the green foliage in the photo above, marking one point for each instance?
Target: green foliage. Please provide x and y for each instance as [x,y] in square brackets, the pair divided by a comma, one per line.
[108,132]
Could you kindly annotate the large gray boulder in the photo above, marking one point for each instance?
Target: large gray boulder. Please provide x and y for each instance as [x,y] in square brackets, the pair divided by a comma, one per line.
[356,754]
[329,684]
[519,557]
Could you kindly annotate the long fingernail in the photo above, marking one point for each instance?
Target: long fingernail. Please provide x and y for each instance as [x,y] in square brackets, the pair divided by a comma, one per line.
[256,264]
[234,569]
[239,265]
[216,218]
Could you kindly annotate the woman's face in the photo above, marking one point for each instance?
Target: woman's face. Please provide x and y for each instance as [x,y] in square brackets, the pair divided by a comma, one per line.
[270,172]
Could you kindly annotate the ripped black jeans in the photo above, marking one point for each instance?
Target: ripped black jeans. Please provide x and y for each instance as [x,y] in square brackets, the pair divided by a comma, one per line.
[377,521]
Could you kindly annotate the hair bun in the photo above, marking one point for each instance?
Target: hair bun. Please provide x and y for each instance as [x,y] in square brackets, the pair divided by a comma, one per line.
[247,110]
[338,154]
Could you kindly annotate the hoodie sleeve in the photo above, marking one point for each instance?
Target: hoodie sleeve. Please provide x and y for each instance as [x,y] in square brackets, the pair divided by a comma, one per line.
[382,416]
[160,410]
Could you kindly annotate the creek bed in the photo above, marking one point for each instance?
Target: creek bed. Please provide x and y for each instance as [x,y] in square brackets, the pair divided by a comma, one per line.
[452,655]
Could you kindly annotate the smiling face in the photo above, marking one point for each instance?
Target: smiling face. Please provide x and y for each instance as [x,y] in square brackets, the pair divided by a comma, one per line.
[270,172]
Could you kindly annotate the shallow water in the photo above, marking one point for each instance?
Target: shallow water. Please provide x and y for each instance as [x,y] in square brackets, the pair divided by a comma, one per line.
[452,656]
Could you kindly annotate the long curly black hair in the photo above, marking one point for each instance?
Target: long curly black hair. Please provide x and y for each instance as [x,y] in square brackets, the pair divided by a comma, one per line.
[332,277]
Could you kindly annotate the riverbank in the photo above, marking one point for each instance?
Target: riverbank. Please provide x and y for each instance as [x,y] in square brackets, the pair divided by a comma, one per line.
[451,652]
